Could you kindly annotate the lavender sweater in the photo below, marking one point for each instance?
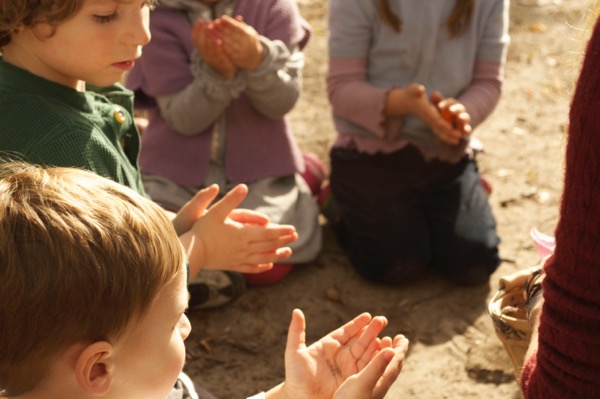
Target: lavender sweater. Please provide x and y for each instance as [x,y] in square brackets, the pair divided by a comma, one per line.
[259,143]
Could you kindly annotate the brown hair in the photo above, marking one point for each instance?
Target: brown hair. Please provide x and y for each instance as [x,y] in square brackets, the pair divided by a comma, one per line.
[457,22]
[28,13]
[81,257]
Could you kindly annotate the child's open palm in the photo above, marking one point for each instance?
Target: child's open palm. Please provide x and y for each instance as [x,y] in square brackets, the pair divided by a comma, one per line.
[336,362]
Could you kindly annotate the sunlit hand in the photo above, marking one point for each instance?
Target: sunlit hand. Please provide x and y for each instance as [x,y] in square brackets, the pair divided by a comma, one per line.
[241,42]
[375,380]
[319,370]
[227,238]
[195,208]
[207,39]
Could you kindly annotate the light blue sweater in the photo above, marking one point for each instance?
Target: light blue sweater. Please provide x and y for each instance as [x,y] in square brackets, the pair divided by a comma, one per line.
[423,52]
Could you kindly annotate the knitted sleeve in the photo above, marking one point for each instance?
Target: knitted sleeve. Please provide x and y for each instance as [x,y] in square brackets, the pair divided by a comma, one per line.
[567,362]
[274,87]
[352,97]
[482,95]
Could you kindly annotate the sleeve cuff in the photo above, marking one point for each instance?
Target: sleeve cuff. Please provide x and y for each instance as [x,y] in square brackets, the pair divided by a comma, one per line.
[215,86]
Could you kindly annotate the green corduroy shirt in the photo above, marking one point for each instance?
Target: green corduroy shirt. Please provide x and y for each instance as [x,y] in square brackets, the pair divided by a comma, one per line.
[46,123]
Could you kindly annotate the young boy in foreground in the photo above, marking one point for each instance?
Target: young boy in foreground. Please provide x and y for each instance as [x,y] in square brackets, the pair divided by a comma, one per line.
[94,293]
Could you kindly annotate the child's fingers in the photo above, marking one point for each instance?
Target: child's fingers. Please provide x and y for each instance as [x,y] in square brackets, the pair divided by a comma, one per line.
[415,90]
[259,262]
[236,31]
[436,97]
[268,246]
[194,208]
[370,352]
[261,259]
[296,339]
[370,380]
[198,28]
[248,216]
[234,23]
[229,202]
[351,329]
[463,121]
[392,369]
[251,268]
[367,336]
[386,342]
[445,131]
[271,232]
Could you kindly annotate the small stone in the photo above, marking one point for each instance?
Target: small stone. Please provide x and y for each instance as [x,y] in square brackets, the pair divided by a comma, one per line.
[333,294]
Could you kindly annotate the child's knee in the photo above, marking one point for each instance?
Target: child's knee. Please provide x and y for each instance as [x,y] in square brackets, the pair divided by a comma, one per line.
[470,270]
[396,271]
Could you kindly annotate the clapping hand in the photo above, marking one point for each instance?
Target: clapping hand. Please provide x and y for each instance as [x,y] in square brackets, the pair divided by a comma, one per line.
[350,362]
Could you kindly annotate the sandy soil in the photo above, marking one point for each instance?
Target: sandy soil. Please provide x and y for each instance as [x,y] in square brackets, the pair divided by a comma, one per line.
[238,350]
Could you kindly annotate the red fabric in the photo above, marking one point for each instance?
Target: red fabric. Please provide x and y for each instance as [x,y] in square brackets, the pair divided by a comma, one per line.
[567,363]
[270,277]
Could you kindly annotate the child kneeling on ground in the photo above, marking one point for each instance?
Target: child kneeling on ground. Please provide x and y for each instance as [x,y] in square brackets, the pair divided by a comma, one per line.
[93,283]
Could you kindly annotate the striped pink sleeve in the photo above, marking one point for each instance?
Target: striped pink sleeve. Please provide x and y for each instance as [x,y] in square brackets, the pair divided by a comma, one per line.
[481,97]
[352,97]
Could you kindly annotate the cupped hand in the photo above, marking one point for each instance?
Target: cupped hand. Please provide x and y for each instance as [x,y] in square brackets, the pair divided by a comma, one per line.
[453,122]
[207,39]
[319,370]
[375,380]
[241,42]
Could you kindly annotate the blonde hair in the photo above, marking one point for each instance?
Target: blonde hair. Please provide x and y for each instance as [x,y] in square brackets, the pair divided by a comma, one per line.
[81,257]
[457,22]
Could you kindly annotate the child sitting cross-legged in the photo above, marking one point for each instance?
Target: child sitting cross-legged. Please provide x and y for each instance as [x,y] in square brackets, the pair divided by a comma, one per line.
[93,283]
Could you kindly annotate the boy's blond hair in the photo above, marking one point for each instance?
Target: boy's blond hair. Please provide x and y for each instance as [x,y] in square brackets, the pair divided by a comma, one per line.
[28,13]
[81,257]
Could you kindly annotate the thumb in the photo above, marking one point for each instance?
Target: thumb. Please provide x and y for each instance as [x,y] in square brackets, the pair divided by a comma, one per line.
[436,97]
[416,90]
[194,208]
[229,202]
[296,339]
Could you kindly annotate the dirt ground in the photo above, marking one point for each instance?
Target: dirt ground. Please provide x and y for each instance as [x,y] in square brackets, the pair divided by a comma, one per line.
[238,350]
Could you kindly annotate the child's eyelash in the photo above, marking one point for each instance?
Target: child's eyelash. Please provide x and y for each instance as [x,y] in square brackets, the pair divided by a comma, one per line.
[105,18]
[151,4]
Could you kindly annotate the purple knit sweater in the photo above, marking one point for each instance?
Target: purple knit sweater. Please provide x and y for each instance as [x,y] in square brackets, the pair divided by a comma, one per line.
[257,146]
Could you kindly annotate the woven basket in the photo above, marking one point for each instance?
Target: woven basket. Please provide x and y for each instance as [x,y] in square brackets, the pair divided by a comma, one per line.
[509,315]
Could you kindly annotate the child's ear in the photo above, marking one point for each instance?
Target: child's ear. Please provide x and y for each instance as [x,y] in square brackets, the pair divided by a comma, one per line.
[93,369]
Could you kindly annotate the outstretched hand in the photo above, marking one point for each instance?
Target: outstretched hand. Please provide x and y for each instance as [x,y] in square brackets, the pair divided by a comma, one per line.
[350,362]
[226,238]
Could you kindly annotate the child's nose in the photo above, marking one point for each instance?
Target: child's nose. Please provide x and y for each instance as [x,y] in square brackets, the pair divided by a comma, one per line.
[139,29]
